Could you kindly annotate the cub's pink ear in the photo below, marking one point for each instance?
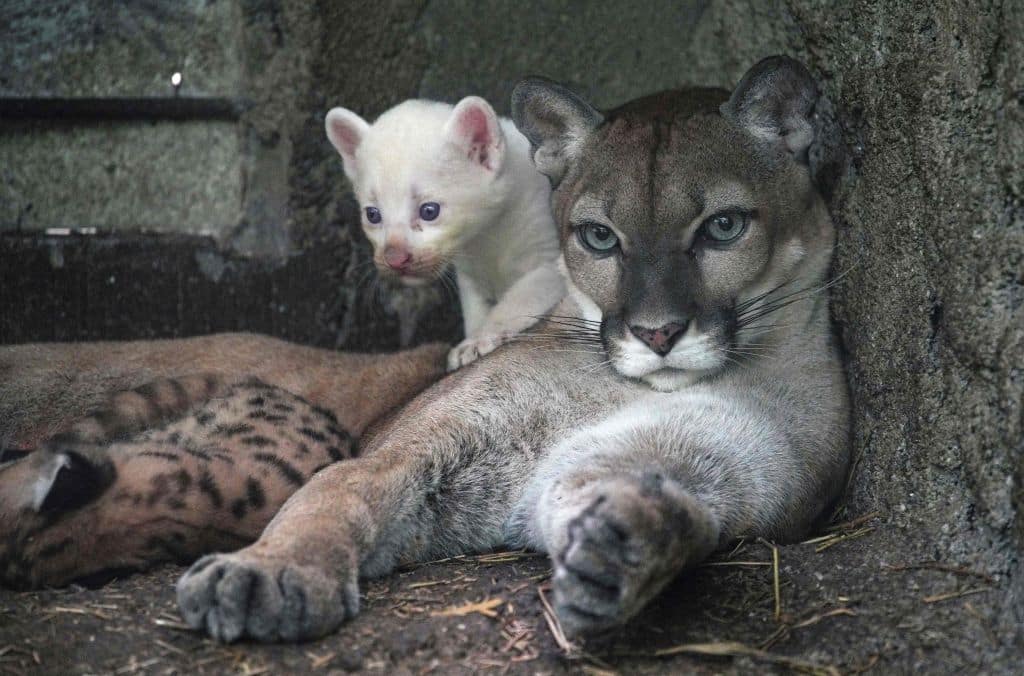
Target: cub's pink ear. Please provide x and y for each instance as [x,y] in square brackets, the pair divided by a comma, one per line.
[346,131]
[474,129]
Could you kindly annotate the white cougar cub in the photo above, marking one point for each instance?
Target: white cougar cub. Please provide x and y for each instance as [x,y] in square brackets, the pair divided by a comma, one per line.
[444,185]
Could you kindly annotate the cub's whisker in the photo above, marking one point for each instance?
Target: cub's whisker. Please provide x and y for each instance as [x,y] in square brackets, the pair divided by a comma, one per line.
[573,321]
[542,348]
[545,340]
[591,368]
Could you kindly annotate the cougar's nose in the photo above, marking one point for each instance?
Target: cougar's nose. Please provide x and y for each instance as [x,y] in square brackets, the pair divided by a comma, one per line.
[662,339]
[397,258]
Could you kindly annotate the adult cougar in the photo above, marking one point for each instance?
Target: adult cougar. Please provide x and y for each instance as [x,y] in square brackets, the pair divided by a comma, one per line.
[687,392]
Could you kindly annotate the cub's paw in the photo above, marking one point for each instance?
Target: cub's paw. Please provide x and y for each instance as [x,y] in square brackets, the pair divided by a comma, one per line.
[231,596]
[473,348]
[623,548]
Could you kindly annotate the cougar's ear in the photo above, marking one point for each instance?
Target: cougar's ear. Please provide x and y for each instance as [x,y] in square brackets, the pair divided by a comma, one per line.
[555,120]
[67,480]
[12,454]
[474,130]
[774,101]
[346,131]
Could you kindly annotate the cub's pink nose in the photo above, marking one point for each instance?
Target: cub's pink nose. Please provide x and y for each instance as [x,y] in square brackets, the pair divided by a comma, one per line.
[397,258]
[660,340]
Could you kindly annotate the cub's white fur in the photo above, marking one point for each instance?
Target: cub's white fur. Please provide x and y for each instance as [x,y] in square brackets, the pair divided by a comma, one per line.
[493,221]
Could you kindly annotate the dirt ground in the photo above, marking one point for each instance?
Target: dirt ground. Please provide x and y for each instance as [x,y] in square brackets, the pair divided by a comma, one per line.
[842,605]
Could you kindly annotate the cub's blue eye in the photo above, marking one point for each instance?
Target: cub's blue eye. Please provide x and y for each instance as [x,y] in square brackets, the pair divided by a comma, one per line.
[429,210]
[726,226]
[373,214]
[597,237]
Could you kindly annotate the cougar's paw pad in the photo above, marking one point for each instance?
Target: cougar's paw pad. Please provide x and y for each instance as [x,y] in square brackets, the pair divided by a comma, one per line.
[592,573]
[231,597]
[617,550]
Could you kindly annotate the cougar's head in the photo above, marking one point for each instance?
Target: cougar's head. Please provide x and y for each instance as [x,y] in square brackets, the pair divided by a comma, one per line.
[685,216]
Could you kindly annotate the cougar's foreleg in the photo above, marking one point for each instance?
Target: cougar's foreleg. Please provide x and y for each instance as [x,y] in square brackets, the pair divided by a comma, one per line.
[624,506]
[435,487]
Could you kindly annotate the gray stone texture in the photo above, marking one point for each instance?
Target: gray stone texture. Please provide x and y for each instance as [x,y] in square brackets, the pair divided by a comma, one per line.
[932,234]
[119,47]
[608,51]
[929,100]
[182,177]
[102,175]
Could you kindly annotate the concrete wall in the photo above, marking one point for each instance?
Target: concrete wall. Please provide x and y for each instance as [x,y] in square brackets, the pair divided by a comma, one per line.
[114,48]
[153,174]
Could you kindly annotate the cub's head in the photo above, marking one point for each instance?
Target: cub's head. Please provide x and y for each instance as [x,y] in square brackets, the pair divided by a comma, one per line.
[427,179]
[683,215]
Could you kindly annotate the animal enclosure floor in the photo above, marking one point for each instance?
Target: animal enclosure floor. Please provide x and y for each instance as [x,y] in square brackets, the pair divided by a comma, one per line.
[856,601]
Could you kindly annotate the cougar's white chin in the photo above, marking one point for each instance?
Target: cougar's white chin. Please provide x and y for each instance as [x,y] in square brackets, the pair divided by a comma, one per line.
[414,280]
[692,359]
[670,380]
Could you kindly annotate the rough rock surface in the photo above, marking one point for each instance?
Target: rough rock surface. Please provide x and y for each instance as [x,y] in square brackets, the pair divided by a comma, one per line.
[932,238]
[106,172]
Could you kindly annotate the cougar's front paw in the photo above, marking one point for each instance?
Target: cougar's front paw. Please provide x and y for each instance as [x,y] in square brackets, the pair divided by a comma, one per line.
[231,596]
[626,545]
[473,348]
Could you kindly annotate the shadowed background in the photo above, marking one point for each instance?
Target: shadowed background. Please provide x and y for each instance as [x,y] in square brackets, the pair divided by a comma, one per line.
[220,205]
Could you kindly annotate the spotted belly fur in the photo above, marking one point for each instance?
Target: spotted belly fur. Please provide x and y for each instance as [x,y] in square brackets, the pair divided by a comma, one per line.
[166,472]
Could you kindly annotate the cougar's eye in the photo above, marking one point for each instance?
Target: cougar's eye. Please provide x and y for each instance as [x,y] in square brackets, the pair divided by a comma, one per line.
[373,215]
[429,210]
[725,227]
[597,237]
